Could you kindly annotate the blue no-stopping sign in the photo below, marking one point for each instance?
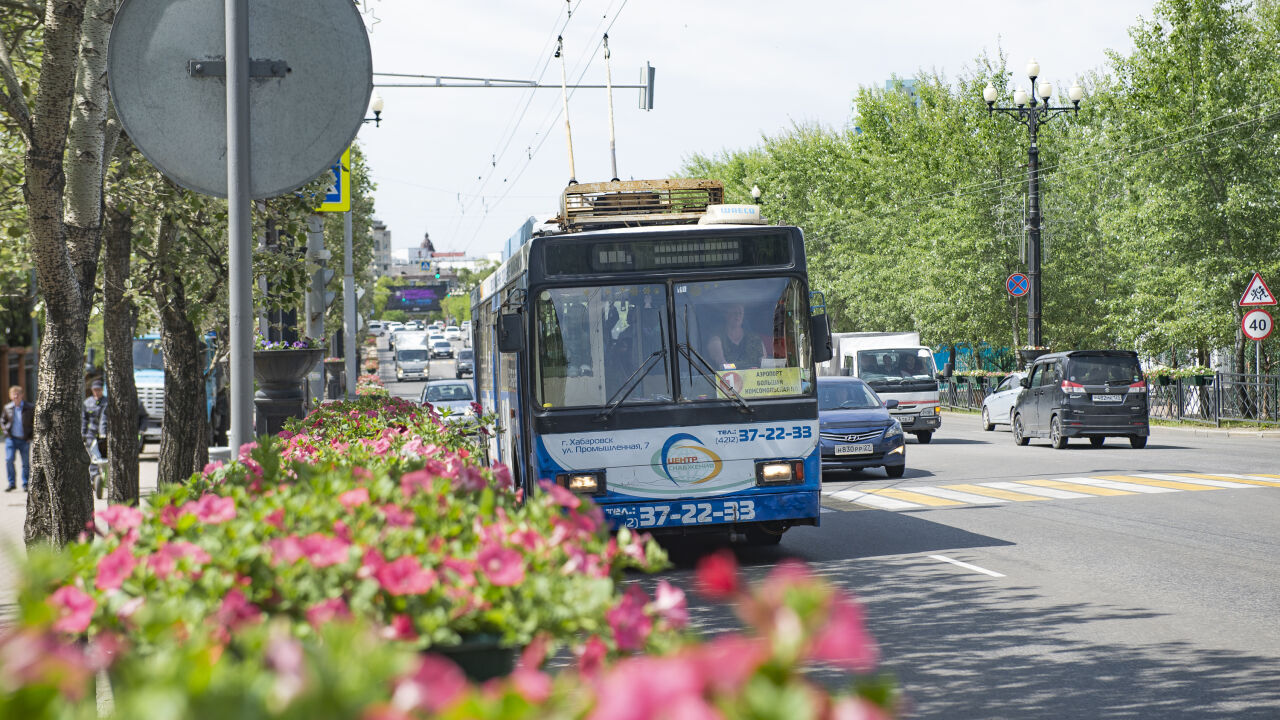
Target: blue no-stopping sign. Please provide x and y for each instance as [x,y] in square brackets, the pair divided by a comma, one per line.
[1017,285]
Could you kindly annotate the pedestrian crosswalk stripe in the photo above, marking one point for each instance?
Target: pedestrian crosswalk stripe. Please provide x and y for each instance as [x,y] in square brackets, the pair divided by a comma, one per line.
[1076,487]
[1067,488]
[988,490]
[1117,485]
[1046,492]
[1214,482]
[1165,484]
[963,497]
[875,501]
[1253,479]
[915,497]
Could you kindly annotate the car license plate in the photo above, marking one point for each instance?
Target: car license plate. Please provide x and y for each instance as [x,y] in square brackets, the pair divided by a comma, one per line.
[859,449]
[1108,398]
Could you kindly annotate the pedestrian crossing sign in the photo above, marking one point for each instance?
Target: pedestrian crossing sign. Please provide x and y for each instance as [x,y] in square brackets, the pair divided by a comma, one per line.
[338,197]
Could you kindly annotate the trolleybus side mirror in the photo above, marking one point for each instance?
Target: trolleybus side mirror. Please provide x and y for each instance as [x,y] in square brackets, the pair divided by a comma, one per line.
[510,333]
[820,331]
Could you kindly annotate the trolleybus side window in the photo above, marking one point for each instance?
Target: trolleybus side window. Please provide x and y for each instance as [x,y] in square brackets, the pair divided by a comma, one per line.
[592,342]
[750,334]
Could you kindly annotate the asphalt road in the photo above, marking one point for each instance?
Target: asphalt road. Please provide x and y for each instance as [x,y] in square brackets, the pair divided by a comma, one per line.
[441,369]
[1027,582]
[1159,599]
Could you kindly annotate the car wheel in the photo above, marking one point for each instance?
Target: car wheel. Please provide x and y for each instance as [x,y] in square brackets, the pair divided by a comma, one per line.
[895,471]
[1018,437]
[1097,441]
[459,376]
[924,437]
[1055,433]
[1138,441]
[986,420]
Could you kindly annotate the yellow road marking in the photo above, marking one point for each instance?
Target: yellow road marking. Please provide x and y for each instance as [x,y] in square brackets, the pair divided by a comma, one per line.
[993,492]
[1234,479]
[1158,483]
[1073,487]
[909,496]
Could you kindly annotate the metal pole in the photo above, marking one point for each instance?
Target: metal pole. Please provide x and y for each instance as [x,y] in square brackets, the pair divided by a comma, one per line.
[1034,338]
[240,250]
[348,308]
[608,79]
[564,95]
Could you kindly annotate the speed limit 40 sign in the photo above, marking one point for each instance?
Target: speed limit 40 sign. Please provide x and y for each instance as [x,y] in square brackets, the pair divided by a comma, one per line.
[1257,324]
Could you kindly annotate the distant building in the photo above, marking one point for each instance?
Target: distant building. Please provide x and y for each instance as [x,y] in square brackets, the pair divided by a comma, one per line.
[381,248]
[907,85]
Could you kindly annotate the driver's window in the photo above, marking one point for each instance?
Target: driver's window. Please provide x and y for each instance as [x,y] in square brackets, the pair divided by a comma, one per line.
[1037,374]
[1049,375]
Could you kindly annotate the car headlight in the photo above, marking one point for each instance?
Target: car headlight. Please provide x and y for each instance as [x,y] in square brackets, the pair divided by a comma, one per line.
[895,430]
[929,412]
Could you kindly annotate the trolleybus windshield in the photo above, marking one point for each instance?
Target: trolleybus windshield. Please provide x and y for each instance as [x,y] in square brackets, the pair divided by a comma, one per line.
[752,333]
[592,341]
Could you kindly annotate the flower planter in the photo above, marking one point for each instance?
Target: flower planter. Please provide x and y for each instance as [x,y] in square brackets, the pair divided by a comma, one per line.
[1201,380]
[279,374]
[1163,380]
[482,657]
[1029,356]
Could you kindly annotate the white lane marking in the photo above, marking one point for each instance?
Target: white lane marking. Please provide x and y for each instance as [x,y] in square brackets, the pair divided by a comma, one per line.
[956,495]
[1033,490]
[1194,481]
[1114,485]
[1242,476]
[967,566]
[875,501]
[825,510]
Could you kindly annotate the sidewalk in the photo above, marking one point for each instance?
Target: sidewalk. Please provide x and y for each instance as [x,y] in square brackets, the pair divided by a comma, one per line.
[13,515]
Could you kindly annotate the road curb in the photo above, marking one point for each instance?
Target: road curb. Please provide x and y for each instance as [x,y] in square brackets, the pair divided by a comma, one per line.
[1201,432]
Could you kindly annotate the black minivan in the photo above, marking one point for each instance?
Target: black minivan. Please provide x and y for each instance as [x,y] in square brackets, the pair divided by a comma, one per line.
[1083,393]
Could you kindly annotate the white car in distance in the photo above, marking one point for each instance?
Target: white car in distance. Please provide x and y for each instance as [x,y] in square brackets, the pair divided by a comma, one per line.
[997,408]
[452,333]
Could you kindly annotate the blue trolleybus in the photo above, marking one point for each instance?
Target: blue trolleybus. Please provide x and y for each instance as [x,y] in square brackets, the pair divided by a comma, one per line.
[654,348]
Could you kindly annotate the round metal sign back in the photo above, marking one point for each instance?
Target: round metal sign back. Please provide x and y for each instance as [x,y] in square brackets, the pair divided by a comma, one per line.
[311,75]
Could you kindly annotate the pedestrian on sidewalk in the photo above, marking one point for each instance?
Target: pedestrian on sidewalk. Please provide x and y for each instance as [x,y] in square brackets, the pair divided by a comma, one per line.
[16,421]
[93,428]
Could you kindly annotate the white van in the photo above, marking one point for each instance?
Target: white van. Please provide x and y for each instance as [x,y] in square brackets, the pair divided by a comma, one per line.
[412,357]
[897,367]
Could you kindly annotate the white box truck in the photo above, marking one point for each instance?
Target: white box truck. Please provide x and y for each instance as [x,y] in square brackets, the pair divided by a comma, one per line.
[897,367]
[412,355]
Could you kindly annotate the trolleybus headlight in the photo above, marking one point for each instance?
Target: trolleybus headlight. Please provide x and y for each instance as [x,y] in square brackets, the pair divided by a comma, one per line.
[779,472]
[587,483]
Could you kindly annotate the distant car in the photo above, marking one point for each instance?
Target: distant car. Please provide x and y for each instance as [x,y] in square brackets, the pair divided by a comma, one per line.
[376,328]
[855,429]
[997,408]
[441,349]
[451,395]
[1083,393]
[452,333]
[465,364]
[434,337]
[413,325]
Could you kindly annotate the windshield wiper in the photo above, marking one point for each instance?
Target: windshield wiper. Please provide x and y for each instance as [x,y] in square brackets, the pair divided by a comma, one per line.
[713,378]
[631,384]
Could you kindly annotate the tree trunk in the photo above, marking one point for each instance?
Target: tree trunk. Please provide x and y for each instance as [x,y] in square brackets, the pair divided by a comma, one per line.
[183,439]
[119,320]
[60,502]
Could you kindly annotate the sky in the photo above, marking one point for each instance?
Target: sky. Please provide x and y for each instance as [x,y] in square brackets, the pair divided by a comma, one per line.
[469,165]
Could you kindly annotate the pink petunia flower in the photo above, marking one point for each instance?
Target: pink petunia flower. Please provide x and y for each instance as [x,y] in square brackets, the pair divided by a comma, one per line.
[845,641]
[74,607]
[211,467]
[328,610]
[236,610]
[114,567]
[669,682]
[352,499]
[286,550]
[729,660]
[532,685]
[591,656]
[502,476]
[412,482]
[630,625]
[369,563]
[717,575]
[275,519]
[502,566]
[323,550]
[561,496]
[670,604]
[435,685]
[212,509]
[381,446]
[469,478]
[169,515]
[120,518]
[401,628]
[397,516]
[405,576]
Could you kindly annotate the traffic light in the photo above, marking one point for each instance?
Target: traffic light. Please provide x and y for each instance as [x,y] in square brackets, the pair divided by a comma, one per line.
[437,274]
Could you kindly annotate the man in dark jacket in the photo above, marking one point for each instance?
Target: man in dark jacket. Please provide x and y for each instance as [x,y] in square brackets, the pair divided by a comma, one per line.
[93,427]
[16,421]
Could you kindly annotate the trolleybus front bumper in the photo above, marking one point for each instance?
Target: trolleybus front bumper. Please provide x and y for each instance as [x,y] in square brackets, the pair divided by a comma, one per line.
[720,513]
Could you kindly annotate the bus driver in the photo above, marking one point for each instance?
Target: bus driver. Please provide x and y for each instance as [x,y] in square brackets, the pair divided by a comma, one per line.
[735,347]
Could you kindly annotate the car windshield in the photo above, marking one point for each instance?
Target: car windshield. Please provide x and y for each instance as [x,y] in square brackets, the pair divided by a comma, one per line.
[907,364]
[752,333]
[147,355]
[452,392]
[1103,370]
[443,344]
[592,340]
[412,356]
[465,354]
[842,395]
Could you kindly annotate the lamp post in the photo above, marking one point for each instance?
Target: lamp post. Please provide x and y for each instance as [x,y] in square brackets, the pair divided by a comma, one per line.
[1032,112]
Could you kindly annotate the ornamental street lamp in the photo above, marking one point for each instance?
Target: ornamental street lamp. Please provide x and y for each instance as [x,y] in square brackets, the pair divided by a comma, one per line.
[1032,112]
